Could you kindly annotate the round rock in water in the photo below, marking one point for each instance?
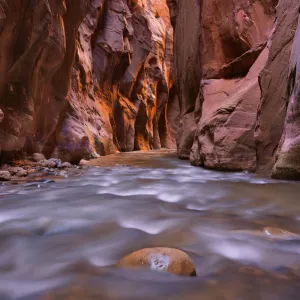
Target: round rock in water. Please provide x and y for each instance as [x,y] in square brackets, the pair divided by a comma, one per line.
[160,259]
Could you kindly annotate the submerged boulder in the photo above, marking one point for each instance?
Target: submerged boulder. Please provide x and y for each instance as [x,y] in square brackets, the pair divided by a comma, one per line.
[160,259]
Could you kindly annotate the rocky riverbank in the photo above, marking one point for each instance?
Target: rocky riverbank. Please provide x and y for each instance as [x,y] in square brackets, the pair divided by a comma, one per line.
[36,166]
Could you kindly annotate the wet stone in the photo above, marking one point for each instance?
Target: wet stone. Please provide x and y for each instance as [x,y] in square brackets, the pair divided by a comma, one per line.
[160,259]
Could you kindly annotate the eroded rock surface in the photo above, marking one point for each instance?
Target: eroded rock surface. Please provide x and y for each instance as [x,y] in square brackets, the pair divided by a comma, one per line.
[85,78]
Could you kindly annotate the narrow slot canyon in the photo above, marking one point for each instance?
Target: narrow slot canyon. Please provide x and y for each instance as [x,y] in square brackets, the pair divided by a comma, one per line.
[215,79]
[149,149]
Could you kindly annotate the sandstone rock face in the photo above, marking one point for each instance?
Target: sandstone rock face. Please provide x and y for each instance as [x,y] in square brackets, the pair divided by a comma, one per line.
[225,95]
[225,135]
[85,78]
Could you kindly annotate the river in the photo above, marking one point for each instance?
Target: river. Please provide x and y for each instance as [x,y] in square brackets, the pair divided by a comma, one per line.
[60,239]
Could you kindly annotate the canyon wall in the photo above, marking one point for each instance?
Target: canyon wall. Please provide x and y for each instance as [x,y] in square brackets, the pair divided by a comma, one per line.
[287,164]
[232,53]
[274,85]
[82,78]
[237,74]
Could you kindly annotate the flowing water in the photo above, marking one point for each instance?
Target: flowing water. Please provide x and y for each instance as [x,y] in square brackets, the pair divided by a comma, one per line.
[60,240]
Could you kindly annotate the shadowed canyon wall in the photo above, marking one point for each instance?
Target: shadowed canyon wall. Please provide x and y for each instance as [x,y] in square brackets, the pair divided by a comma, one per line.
[287,164]
[81,78]
[236,64]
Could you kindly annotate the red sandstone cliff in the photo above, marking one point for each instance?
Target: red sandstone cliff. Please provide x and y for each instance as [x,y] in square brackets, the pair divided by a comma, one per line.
[81,78]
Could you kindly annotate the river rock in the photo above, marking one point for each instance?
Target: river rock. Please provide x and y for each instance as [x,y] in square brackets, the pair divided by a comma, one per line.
[49,164]
[17,171]
[5,176]
[160,259]
[52,163]
[38,157]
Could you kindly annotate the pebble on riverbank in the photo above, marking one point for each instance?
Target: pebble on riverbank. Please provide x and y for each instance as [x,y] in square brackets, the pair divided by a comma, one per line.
[160,259]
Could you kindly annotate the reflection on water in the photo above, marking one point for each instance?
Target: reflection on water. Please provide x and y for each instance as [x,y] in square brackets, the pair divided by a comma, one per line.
[59,240]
